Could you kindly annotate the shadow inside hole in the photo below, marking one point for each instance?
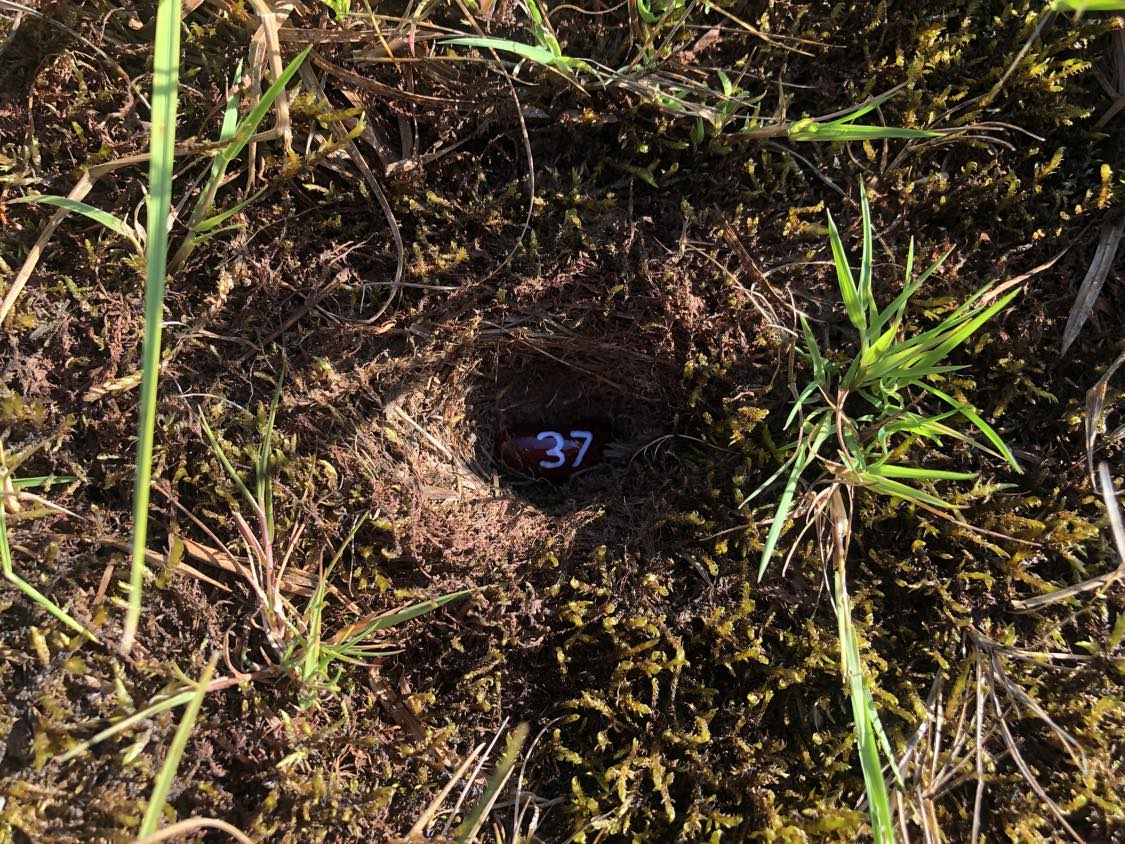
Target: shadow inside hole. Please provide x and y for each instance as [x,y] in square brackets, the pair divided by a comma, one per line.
[554,388]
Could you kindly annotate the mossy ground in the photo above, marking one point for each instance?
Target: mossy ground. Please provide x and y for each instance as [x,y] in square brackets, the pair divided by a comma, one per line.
[679,699]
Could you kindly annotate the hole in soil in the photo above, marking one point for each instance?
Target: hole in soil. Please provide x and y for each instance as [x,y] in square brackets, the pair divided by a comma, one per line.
[565,391]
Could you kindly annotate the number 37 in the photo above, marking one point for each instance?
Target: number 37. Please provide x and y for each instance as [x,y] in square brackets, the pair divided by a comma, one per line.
[556,450]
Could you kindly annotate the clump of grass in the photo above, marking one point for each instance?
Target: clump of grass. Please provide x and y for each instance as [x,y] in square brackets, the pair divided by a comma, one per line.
[891,374]
[234,134]
[304,652]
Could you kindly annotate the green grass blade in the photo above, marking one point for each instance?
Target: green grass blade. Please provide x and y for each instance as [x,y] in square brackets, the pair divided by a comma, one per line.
[415,610]
[881,736]
[866,297]
[758,490]
[114,224]
[30,591]
[965,330]
[539,55]
[932,429]
[865,718]
[236,134]
[805,454]
[800,402]
[165,82]
[970,414]
[344,545]
[890,470]
[814,350]
[1088,6]
[869,106]
[879,346]
[848,290]
[314,620]
[249,124]
[228,467]
[230,118]
[934,345]
[896,489]
[837,131]
[910,263]
[130,721]
[42,480]
[892,314]
[172,761]
[781,514]
[214,221]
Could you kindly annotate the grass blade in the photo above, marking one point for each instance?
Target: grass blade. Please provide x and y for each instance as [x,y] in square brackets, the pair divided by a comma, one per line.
[848,290]
[237,137]
[264,487]
[895,489]
[800,402]
[415,610]
[869,106]
[538,55]
[42,480]
[1081,6]
[866,718]
[866,297]
[165,96]
[890,470]
[228,467]
[230,122]
[114,224]
[837,131]
[973,417]
[130,721]
[805,454]
[249,124]
[172,761]
[814,350]
[966,329]
[30,591]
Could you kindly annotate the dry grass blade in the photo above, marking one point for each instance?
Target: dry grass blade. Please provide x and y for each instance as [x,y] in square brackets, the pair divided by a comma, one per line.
[1017,757]
[869,734]
[269,31]
[1095,408]
[1116,524]
[417,832]
[7,567]
[1114,84]
[341,132]
[467,831]
[1117,531]
[1108,241]
[978,756]
[266,46]
[189,825]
